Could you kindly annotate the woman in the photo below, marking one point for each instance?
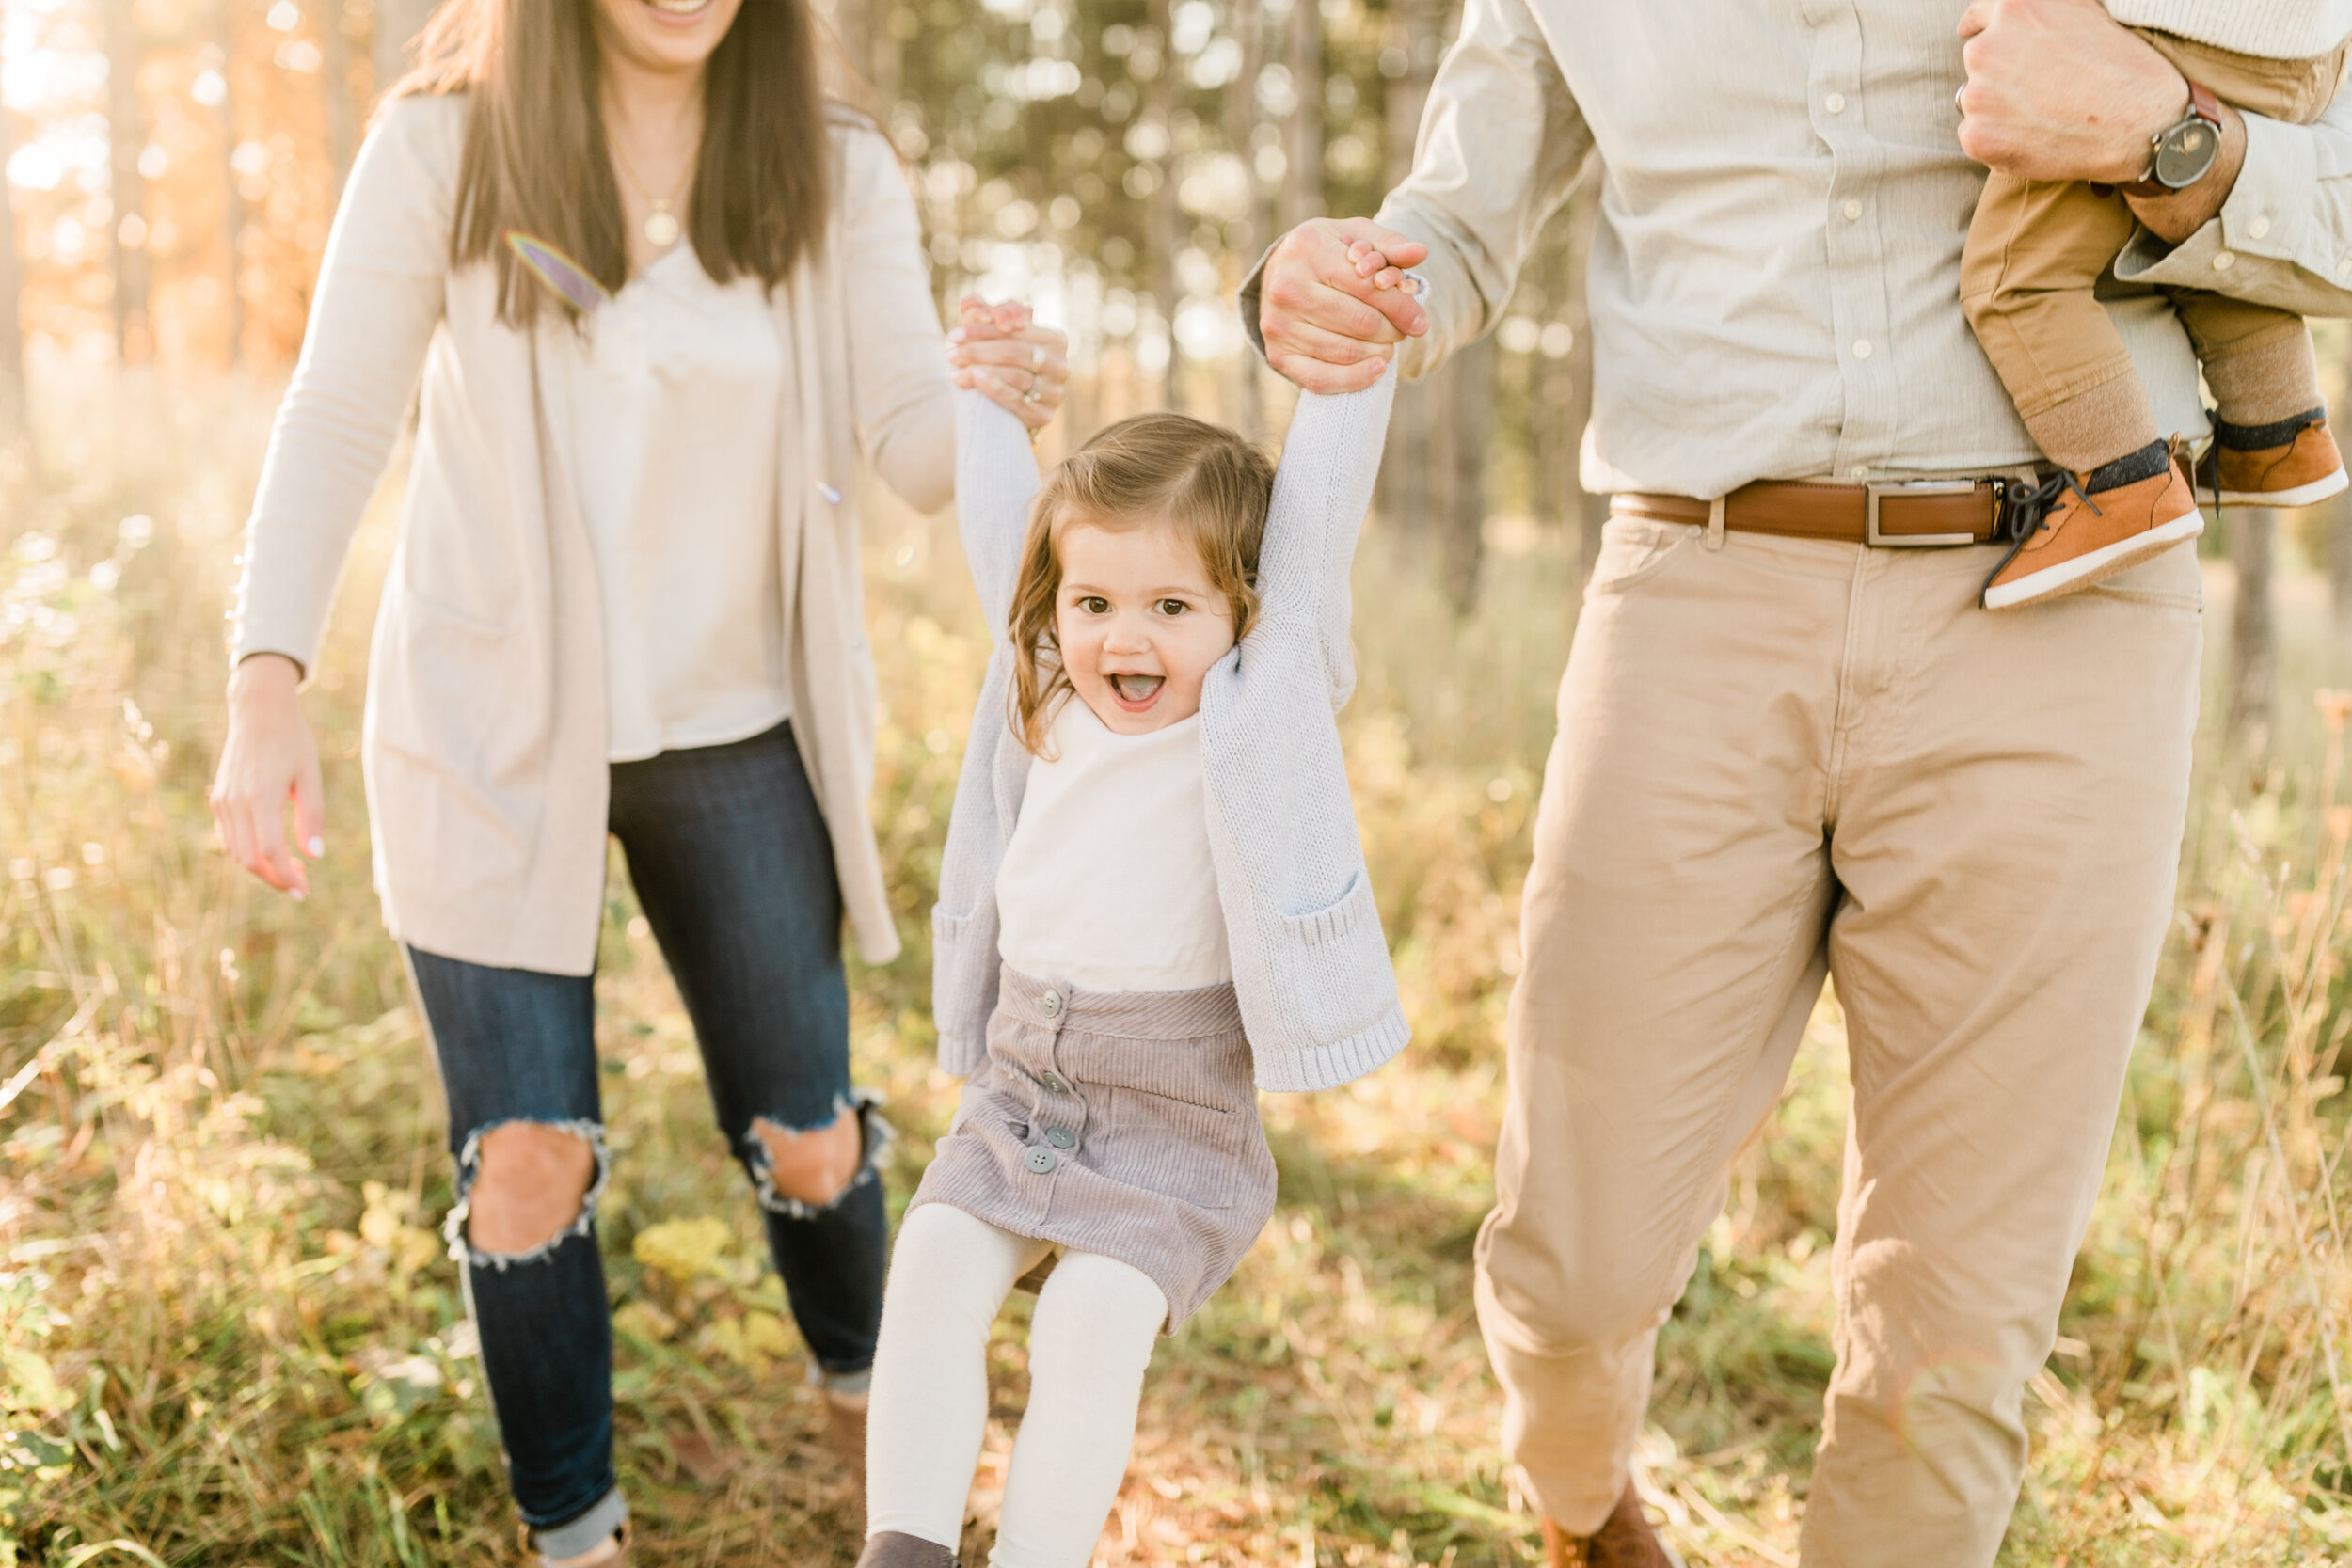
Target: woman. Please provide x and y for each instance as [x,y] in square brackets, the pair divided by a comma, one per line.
[626,598]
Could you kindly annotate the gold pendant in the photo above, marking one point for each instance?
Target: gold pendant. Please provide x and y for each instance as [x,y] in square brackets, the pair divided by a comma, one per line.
[661,229]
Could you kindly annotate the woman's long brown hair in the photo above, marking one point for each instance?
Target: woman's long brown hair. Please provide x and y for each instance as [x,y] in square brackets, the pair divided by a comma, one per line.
[535,157]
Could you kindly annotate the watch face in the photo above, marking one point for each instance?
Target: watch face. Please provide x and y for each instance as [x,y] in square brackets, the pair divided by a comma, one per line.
[2186,152]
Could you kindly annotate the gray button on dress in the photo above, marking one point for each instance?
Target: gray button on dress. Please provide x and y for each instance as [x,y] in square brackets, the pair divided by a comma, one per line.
[1149,1098]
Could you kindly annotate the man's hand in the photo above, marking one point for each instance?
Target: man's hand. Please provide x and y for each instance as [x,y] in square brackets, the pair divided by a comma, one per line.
[1328,323]
[2058,91]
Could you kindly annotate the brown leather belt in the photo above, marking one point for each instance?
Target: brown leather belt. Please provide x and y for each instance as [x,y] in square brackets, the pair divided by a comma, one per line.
[1890,515]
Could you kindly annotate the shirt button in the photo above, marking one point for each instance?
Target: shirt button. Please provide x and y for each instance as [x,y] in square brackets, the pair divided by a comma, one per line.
[1055,1084]
[2224,261]
[1834,102]
[1040,1160]
[2344,268]
[1061,1137]
[1859,470]
[1861,348]
[1852,210]
[1050,1004]
[2259,228]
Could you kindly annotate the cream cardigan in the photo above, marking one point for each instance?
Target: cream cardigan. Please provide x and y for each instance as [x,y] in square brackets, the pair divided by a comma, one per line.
[484,742]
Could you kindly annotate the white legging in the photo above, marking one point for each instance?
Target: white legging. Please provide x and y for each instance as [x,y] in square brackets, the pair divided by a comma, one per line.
[1089,1342]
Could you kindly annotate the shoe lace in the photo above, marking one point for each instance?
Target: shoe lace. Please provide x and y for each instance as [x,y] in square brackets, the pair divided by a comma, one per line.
[2024,505]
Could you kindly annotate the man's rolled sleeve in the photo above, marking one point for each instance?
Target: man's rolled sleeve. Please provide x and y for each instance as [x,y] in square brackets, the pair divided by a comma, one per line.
[1501,142]
[2285,236]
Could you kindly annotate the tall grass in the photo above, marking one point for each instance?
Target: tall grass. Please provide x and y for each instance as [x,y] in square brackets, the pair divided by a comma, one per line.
[229,1335]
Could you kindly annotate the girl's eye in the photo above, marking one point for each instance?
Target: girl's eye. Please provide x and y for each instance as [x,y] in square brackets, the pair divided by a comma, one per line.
[1173,608]
[1094,604]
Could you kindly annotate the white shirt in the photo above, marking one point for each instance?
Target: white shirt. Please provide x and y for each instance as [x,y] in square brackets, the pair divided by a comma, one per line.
[1107,883]
[674,402]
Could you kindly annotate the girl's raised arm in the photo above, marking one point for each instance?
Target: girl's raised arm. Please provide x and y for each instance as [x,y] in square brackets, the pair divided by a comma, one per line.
[1322,492]
[996,476]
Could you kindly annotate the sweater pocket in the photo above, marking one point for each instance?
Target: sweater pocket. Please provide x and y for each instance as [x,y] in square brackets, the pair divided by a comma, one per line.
[1336,919]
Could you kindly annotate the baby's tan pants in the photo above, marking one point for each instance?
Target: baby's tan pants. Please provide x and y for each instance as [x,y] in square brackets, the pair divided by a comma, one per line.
[2037,247]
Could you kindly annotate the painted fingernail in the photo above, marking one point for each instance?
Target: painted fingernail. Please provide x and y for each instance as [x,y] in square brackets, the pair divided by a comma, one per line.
[295,894]
[956,336]
[316,845]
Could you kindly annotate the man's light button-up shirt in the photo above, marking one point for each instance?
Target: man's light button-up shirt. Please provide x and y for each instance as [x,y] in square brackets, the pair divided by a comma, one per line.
[1834,102]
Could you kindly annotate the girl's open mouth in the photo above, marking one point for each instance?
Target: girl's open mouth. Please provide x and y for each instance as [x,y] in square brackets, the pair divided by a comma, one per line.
[1135,693]
[679,7]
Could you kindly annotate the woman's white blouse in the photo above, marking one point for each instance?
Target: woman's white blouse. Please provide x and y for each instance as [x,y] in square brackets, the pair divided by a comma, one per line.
[1107,883]
[675,389]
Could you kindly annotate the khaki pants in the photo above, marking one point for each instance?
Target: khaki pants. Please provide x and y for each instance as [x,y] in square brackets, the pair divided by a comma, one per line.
[1787,758]
[2035,250]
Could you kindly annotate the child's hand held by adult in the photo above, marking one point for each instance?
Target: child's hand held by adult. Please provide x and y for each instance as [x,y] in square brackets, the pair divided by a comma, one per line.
[1329,322]
[1001,350]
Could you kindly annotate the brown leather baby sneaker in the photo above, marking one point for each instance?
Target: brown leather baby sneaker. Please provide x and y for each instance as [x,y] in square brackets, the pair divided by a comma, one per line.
[2293,463]
[1625,1540]
[2087,535]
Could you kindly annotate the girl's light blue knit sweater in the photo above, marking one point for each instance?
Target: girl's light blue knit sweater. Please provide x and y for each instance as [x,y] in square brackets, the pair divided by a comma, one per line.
[1311,967]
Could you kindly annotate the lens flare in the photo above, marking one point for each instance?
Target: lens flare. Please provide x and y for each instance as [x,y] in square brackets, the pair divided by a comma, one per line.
[567,277]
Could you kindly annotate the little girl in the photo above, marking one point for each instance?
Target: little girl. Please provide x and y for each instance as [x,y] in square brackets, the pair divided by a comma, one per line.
[1153,891]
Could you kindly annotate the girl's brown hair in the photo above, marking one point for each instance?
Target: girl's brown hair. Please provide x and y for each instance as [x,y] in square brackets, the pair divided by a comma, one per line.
[535,157]
[1166,471]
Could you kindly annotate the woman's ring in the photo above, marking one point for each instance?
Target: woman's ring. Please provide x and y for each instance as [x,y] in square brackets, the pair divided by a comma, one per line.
[1036,357]
[1036,393]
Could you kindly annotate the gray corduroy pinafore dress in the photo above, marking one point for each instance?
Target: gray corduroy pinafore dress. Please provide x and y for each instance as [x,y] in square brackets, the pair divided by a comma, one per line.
[1120,1123]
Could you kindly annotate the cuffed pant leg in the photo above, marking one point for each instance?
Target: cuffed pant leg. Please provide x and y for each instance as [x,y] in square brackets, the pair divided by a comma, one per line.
[2035,249]
[2010,826]
[1673,922]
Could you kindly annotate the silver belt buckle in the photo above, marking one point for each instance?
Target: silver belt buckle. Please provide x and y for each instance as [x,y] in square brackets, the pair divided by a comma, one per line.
[1873,489]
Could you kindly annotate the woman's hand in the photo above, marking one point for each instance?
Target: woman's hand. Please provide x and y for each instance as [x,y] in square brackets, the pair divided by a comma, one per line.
[269,756]
[1002,351]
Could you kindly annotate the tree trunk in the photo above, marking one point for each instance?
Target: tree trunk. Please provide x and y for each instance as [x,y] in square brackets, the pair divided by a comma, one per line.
[2338,537]
[342,110]
[1302,169]
[1576,369]
[12,399]
[126,136]
[1464,388]
[1164,230]
[397,23]
[231,198]
[1244,236]
[1405,463]
[2253,634]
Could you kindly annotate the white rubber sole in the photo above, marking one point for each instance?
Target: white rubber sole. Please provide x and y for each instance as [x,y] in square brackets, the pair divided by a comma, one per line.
[2302,495]
[2085,570]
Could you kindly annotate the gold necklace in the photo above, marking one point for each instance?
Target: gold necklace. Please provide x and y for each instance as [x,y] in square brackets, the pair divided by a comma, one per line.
[661,228]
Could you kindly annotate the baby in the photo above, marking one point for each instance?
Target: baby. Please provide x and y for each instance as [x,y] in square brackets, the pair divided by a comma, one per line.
[1153,902]
[2036,249]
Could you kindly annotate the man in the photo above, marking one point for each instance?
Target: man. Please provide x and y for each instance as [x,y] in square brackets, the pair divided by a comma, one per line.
[1790,742]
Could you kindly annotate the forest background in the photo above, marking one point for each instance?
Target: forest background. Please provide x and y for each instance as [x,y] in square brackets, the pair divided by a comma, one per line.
[228,1332]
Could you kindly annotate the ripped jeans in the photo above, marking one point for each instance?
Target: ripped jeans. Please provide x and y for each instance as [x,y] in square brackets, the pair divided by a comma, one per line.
[732,864]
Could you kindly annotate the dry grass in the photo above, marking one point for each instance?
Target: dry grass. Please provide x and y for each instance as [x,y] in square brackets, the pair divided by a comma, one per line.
[230,1337]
